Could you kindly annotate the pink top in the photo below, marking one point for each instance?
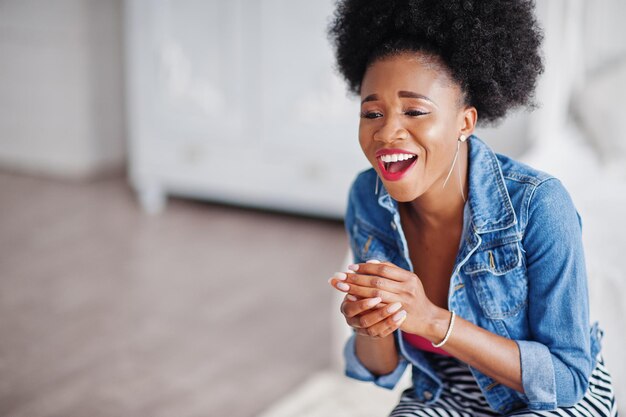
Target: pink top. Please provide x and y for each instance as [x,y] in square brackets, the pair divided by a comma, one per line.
[422,343]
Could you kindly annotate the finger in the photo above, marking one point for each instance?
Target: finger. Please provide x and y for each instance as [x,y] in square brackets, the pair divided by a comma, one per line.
[351,297]
[394,324]
[338,281]
[346,276]
[385,270]
[353,308]
[362,332]
[374,281]
[386,327]
[376,261]
[369,292]
[369,318]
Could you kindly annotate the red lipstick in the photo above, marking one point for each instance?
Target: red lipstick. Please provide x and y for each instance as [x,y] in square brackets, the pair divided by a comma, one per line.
[395,168]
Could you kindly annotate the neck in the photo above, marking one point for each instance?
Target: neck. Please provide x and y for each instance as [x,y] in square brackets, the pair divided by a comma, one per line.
[442,206]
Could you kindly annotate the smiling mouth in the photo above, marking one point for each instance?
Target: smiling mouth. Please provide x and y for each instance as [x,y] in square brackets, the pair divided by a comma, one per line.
[394,166]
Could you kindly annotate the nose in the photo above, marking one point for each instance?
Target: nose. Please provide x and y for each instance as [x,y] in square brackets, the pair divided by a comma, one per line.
[391,130]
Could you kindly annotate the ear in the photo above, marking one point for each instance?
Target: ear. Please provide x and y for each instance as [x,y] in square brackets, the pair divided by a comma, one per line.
[468,116]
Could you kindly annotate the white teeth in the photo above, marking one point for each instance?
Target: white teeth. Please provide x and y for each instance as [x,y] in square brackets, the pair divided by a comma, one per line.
[396,157]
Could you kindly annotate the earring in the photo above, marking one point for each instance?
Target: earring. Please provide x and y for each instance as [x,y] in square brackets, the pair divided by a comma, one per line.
[462,138]
[376,188]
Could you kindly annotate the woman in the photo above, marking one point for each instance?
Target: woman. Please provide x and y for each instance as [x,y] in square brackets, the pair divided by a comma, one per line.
[469,265]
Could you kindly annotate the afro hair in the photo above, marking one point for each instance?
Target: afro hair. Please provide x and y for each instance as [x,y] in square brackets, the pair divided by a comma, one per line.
[490,47]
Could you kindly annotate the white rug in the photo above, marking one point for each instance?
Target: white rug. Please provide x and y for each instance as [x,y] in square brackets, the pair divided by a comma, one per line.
[330,394]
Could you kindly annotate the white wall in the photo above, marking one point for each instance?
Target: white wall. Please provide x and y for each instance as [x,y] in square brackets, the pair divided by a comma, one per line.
[61,96]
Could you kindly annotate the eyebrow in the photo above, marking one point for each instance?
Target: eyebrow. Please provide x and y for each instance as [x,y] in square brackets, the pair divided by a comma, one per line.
[402,94]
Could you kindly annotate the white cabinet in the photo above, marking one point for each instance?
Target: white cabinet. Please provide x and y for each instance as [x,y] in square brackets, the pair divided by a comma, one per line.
[237,101]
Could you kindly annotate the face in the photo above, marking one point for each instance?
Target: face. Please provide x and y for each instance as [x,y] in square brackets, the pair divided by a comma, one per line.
[412,113]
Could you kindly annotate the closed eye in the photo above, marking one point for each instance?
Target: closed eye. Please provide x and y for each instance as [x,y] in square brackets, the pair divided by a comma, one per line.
[371,115]
[415,113]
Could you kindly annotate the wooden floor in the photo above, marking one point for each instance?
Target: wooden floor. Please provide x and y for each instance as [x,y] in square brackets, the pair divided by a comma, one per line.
[204,310]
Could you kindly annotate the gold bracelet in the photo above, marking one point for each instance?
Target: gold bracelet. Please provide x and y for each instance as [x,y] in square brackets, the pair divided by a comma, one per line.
[445,339]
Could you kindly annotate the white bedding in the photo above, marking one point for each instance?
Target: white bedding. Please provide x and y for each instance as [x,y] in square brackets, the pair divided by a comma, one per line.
[598,189]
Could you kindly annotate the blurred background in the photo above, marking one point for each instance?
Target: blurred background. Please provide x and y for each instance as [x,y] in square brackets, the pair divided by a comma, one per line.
[173,176]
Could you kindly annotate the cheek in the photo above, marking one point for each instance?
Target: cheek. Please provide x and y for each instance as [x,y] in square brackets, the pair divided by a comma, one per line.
[431,134]
[436,129]
[438,148]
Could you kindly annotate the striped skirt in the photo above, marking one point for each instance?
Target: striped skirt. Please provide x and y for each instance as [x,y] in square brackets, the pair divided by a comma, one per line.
[461,396]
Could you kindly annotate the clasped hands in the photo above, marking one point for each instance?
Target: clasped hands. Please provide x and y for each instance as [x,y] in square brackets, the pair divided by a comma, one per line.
[381,298]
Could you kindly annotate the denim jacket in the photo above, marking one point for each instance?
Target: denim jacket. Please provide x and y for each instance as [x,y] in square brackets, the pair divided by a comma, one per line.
[519,273]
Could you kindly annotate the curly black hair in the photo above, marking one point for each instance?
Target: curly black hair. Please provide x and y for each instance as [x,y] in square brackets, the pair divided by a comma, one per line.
[490,47]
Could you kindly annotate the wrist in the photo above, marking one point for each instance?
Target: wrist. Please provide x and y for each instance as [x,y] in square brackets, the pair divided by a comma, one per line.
[375,339]
[437,326]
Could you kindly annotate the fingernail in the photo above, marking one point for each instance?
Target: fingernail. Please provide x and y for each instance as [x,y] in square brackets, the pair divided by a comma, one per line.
[353,267]
[343,286]
[394,307]
[348,272]
[400,315]
[373,301]
[340,276]
[351,297]
[372,261]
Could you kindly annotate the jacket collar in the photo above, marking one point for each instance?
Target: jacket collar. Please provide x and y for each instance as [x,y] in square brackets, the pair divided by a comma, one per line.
[489,203]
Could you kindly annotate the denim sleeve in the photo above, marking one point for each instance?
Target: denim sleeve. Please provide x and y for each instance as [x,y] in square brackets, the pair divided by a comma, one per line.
[355,369]
[349,220]
[556,364]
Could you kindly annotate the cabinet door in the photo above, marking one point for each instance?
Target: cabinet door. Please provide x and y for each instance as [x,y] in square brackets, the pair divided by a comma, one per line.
[307,117]
[238,101]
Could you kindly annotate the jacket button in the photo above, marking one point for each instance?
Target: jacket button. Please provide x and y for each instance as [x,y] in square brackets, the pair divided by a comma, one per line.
[428,395]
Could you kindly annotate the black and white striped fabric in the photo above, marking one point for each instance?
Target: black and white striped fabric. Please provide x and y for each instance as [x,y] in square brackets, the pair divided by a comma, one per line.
[461,396]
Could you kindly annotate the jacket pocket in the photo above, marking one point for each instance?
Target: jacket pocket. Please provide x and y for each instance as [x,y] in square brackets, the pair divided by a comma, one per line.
[498,276]
[368,242]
